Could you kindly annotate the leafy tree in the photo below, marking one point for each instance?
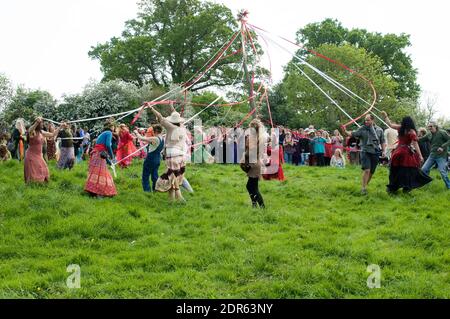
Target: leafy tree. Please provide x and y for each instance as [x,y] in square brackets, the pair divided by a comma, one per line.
[29,104]
[6,91]
[101,99]
[304,104]
[390,48]
[169,42]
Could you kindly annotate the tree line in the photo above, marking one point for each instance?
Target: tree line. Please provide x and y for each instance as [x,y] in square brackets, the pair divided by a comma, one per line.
[170,40]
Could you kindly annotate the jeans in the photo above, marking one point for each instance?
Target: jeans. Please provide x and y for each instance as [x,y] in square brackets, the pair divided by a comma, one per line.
[287,158]
[150,169]
[442,167]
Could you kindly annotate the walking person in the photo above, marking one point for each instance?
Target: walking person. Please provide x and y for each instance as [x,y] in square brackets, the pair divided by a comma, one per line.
[126,147]
[372,148]
[440,141]
[251,163]
[406,159]
[100,182]
[153,159]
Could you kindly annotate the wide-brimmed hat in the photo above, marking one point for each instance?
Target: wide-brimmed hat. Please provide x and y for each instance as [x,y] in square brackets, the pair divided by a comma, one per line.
[175,118]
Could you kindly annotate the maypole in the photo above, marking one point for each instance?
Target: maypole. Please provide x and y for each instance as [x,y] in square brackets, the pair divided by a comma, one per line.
[242,18]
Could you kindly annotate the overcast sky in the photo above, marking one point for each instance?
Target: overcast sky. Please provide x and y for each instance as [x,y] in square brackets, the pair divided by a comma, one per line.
[44,43]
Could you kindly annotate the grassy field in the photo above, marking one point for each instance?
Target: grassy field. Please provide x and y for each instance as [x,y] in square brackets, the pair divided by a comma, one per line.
[314,240]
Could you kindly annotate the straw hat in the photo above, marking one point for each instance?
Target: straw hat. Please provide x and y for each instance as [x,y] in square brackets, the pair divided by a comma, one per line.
[175,118]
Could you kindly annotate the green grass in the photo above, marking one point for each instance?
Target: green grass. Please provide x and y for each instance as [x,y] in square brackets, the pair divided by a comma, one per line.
[315,239]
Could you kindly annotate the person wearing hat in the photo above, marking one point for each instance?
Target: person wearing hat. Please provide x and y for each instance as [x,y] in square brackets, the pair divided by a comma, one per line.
[175,151]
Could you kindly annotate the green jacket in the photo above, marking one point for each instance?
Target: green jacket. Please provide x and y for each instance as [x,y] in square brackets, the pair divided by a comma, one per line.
[440,139]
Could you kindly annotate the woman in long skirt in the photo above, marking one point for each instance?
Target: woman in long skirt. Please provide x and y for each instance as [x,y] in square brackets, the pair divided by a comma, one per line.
[406,159]
[125,147]
[35,168]
[175,151]
[67,151]
[99,181]
[51,144]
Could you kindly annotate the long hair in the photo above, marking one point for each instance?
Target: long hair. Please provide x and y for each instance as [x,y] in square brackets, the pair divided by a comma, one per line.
[406,126]
[20,126]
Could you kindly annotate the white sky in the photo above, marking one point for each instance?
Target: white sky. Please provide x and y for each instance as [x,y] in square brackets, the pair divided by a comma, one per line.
[44,43]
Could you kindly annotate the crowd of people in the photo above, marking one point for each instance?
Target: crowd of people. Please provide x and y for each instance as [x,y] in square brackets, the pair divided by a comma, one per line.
[409,153]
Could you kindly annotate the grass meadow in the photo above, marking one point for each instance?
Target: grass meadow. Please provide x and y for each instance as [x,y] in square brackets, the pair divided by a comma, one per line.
[315,239]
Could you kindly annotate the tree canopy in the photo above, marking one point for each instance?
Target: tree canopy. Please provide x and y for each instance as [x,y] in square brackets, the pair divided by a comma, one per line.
[169,42]
[305,104]
[390,48]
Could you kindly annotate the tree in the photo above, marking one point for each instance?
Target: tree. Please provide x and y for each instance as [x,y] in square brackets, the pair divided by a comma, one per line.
[101,99]
[389,48]
[6,91]
[169,42]
[307,105]
[28,104]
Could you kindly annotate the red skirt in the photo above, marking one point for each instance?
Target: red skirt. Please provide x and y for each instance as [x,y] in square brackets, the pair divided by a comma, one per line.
[99,180]
[404,157]
[124,150]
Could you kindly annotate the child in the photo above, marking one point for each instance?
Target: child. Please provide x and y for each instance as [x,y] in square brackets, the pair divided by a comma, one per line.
[338,160]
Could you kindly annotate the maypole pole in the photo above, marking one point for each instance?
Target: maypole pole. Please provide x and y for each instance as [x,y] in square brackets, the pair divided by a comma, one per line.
[242,18]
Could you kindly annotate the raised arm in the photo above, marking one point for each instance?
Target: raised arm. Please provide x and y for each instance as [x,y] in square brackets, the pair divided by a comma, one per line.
[388,121]
[32,128]
[145,139]
[51,135]
[157,114]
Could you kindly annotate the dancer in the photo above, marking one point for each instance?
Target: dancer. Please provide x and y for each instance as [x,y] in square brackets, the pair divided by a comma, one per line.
[406,159]
[251,162]
[153,159]
[440,142]
[51,144]
[278,162]
[175,151]
[372,146]
[35,168]
[99,182]
[125,147]
[66,151]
